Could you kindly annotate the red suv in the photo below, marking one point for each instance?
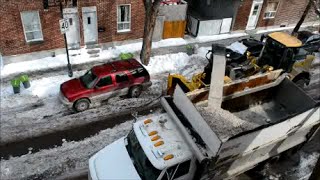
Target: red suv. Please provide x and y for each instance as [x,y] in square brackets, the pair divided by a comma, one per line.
[118,78]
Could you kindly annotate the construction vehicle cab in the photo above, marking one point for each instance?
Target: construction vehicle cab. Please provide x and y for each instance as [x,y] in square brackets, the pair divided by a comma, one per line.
[283,51]
[279,51]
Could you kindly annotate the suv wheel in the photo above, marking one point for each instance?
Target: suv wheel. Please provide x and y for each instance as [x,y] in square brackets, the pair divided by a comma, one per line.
[81,105]
[134,92]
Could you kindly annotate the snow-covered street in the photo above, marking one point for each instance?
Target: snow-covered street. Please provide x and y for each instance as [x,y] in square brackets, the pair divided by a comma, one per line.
[37,114]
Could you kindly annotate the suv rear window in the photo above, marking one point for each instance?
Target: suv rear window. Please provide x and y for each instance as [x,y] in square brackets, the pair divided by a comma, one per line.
[140,72]
[121,78]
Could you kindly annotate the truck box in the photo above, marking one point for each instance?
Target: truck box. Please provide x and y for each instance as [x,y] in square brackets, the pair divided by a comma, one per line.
[247,129]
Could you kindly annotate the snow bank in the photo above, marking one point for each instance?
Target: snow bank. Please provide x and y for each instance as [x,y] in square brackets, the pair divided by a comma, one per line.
[167,63]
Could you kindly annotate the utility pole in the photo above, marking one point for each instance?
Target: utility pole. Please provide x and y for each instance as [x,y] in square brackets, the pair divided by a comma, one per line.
[70,73]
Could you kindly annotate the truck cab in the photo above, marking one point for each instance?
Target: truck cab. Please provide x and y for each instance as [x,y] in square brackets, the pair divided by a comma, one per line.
[152,150]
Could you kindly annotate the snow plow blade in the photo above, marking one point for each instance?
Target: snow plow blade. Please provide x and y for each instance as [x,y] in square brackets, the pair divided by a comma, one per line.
[241,87]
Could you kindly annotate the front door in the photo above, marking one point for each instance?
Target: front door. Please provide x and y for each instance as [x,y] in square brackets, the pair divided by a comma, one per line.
[90,28]
[73,34]
[104,88]
[254,14]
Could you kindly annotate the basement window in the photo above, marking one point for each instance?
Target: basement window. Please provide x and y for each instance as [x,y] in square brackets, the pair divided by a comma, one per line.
[124,18]
[31,26]
[271,10]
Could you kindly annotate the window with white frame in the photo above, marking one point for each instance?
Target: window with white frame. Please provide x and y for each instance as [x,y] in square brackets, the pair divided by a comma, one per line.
[124,18]
[31,26]
[271,10]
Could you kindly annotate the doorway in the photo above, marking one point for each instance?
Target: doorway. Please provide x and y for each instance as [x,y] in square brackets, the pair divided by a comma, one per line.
[90,28]
[254,14]
[73,34]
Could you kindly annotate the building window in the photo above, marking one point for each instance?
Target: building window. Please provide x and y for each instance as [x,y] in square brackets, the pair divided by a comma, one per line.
[31,26]
[124,18]
[271,10]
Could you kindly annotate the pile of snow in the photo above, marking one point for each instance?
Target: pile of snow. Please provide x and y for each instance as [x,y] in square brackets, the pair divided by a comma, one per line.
[167,63]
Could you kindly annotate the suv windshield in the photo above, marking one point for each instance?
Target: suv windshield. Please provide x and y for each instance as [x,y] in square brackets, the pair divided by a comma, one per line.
[140,160]
[88,79]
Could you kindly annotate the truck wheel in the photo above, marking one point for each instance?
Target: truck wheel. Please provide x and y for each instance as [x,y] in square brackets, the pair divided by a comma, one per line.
[134,92]
[81,105]
[301,83]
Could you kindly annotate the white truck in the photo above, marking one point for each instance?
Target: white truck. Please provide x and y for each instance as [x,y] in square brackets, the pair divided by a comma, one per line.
[190,141]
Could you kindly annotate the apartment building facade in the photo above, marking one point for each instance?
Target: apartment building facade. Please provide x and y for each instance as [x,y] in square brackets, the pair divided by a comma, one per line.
[29,25]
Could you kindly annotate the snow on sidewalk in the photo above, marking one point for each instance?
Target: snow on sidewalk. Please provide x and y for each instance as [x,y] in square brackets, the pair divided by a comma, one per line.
[60,60]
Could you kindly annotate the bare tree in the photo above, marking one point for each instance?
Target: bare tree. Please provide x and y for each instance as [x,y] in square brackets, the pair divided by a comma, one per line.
[305,12]
[151,10]
[316,5]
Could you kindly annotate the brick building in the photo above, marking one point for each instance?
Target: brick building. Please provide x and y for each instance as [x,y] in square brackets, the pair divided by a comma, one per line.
[26,26]
[261,13]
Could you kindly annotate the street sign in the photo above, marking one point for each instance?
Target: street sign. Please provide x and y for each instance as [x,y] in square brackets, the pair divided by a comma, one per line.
[64,25]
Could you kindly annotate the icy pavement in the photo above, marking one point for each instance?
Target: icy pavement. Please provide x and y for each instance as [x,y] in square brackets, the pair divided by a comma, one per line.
[69,157]
[52,116]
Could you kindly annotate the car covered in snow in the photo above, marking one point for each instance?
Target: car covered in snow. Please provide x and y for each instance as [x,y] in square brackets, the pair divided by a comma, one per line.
[118,78]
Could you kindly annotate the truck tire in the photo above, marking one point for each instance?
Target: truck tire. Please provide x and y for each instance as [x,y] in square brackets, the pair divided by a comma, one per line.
[134,92]
[81,105]
[301,83]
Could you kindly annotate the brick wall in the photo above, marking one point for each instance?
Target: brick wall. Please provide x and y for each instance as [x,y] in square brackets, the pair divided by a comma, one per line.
[242,15]
[288,12]
[12,39]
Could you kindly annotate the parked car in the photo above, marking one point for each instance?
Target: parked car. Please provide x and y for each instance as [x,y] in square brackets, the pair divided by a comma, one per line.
[119,78]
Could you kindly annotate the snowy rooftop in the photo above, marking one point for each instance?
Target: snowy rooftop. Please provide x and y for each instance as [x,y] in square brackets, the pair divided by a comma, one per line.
[159,139]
